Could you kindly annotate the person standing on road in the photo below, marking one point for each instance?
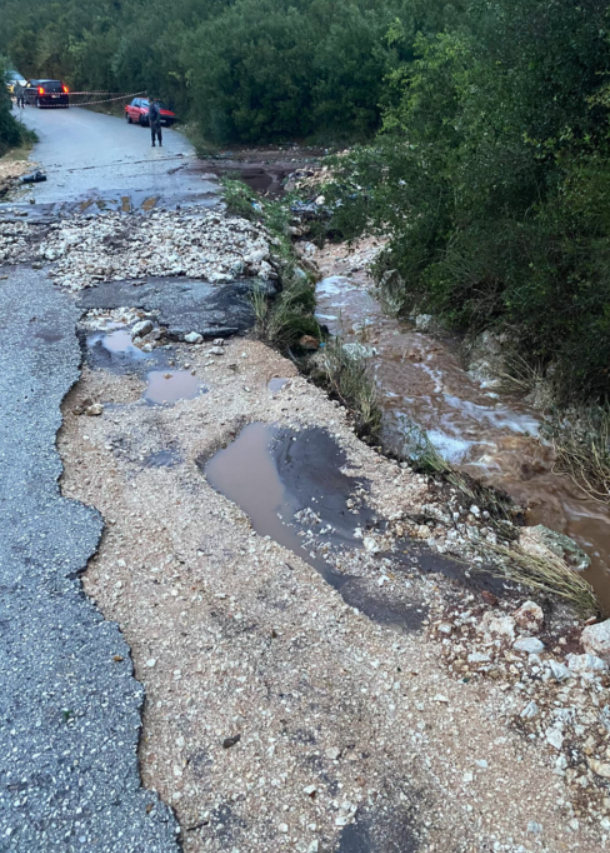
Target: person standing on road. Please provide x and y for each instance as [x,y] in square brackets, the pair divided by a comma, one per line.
[20,96]
[154,117]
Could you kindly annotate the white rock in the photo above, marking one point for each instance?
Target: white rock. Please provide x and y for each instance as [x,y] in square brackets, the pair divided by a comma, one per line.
[586,663]
[559,671]
[151,662]
[310,790]
[530,710]
[283,827]
[600,768]
[370,545]
[333,753]
[144,327]
[216,351]
[94,410]
[596,639]
[502,626]
[193,338]
[554,737]
[478,657]
[534,828]
[445,628]
[531,645]
[313,847]
[529,616]
[440,698]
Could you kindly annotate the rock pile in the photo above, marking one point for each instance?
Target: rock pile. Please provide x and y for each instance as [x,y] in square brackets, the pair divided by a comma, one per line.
[555,688]
[197,244]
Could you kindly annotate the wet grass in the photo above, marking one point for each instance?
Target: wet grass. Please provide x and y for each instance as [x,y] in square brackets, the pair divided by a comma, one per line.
[550,576]
[583,452]
[344,374]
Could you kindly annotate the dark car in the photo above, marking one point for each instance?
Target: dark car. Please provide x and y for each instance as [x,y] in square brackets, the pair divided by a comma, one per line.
[46,93]
[137,111]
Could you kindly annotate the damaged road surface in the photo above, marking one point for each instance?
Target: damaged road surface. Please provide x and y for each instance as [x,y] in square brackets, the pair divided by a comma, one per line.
[70,706]
[318,676]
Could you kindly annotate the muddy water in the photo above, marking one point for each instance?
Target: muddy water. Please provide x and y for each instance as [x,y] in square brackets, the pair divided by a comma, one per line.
[117,341]
[169,386]
[493,437]
[274,474]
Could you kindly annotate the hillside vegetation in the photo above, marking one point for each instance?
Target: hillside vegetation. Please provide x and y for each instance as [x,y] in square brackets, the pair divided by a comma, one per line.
[483,127]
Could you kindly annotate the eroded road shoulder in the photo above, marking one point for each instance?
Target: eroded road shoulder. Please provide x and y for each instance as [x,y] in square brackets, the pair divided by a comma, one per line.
[70,706]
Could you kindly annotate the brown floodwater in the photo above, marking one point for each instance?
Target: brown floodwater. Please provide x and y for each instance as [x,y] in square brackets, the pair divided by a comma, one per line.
[169,386]
[495,437]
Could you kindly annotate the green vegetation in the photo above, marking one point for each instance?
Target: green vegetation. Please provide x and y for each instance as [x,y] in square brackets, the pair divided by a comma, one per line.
[12,133]
[241,70]
[492,177]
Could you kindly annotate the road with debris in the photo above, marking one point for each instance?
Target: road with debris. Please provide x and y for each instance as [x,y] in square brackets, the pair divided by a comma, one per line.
[187,520]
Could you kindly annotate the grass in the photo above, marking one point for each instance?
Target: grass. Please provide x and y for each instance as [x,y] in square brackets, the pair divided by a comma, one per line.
[551,576]
[583,452]
[344,374]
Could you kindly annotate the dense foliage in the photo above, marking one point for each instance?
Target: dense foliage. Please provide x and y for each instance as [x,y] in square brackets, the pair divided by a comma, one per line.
[490,172]
[246,70]
[11,131]
[492,175]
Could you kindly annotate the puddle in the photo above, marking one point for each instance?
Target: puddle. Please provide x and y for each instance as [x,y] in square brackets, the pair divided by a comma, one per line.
[276,384]
[118,340]
[274,474]
[421,383]
[169,386]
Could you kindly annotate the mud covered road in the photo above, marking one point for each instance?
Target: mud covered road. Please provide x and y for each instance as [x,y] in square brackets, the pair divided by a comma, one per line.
[221,627]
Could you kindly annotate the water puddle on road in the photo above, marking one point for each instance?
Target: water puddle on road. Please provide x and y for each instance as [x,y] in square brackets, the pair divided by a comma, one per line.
[117,341]
[275,475]
[494,438]
[169,386]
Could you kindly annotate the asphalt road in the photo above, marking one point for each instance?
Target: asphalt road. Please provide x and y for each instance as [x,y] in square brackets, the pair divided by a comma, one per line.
[70,707]
[87,155]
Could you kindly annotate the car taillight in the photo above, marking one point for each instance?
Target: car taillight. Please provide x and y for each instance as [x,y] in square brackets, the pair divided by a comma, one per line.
[66,90]
[40,90]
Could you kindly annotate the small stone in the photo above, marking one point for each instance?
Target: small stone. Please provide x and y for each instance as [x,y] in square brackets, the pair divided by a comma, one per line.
[534,828]
[440,698]
[559,671]
[586,663]
[530,710]
[150,663]
[480,762]
[144,327]
[309,342]
[94,410]
[310,790]
[283,827]
[445,628]
[193,338]
[333,753]
[596,639]
[147,348]
[313,847]
[554,737]
[529,616]
[216,351]
[117,658]
[228,742]
[600,768]
[478,657]
[531,645]
[218,342]
[574,824]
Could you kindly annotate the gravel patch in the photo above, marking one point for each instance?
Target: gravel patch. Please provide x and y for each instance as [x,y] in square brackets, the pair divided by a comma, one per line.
[278,715]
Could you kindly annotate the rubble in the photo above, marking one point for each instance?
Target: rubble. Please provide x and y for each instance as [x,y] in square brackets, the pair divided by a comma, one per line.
[196,244]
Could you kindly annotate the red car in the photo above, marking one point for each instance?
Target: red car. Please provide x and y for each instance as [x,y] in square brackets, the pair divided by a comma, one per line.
[137,111]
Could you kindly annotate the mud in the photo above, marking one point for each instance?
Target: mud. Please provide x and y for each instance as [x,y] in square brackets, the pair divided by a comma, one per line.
[275,475]
[183,305]
[494,437]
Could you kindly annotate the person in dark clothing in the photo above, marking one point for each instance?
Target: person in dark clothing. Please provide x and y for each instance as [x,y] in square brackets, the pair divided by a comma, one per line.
[154,117]
[20,95]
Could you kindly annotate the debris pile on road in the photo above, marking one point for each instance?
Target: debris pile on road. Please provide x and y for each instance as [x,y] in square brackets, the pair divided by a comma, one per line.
[555,690]
[198,244]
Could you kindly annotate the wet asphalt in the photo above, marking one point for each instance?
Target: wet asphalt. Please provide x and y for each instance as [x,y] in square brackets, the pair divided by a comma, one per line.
[70,706]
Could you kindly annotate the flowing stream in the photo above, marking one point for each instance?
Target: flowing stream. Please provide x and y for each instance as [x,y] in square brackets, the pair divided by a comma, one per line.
[494,437]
